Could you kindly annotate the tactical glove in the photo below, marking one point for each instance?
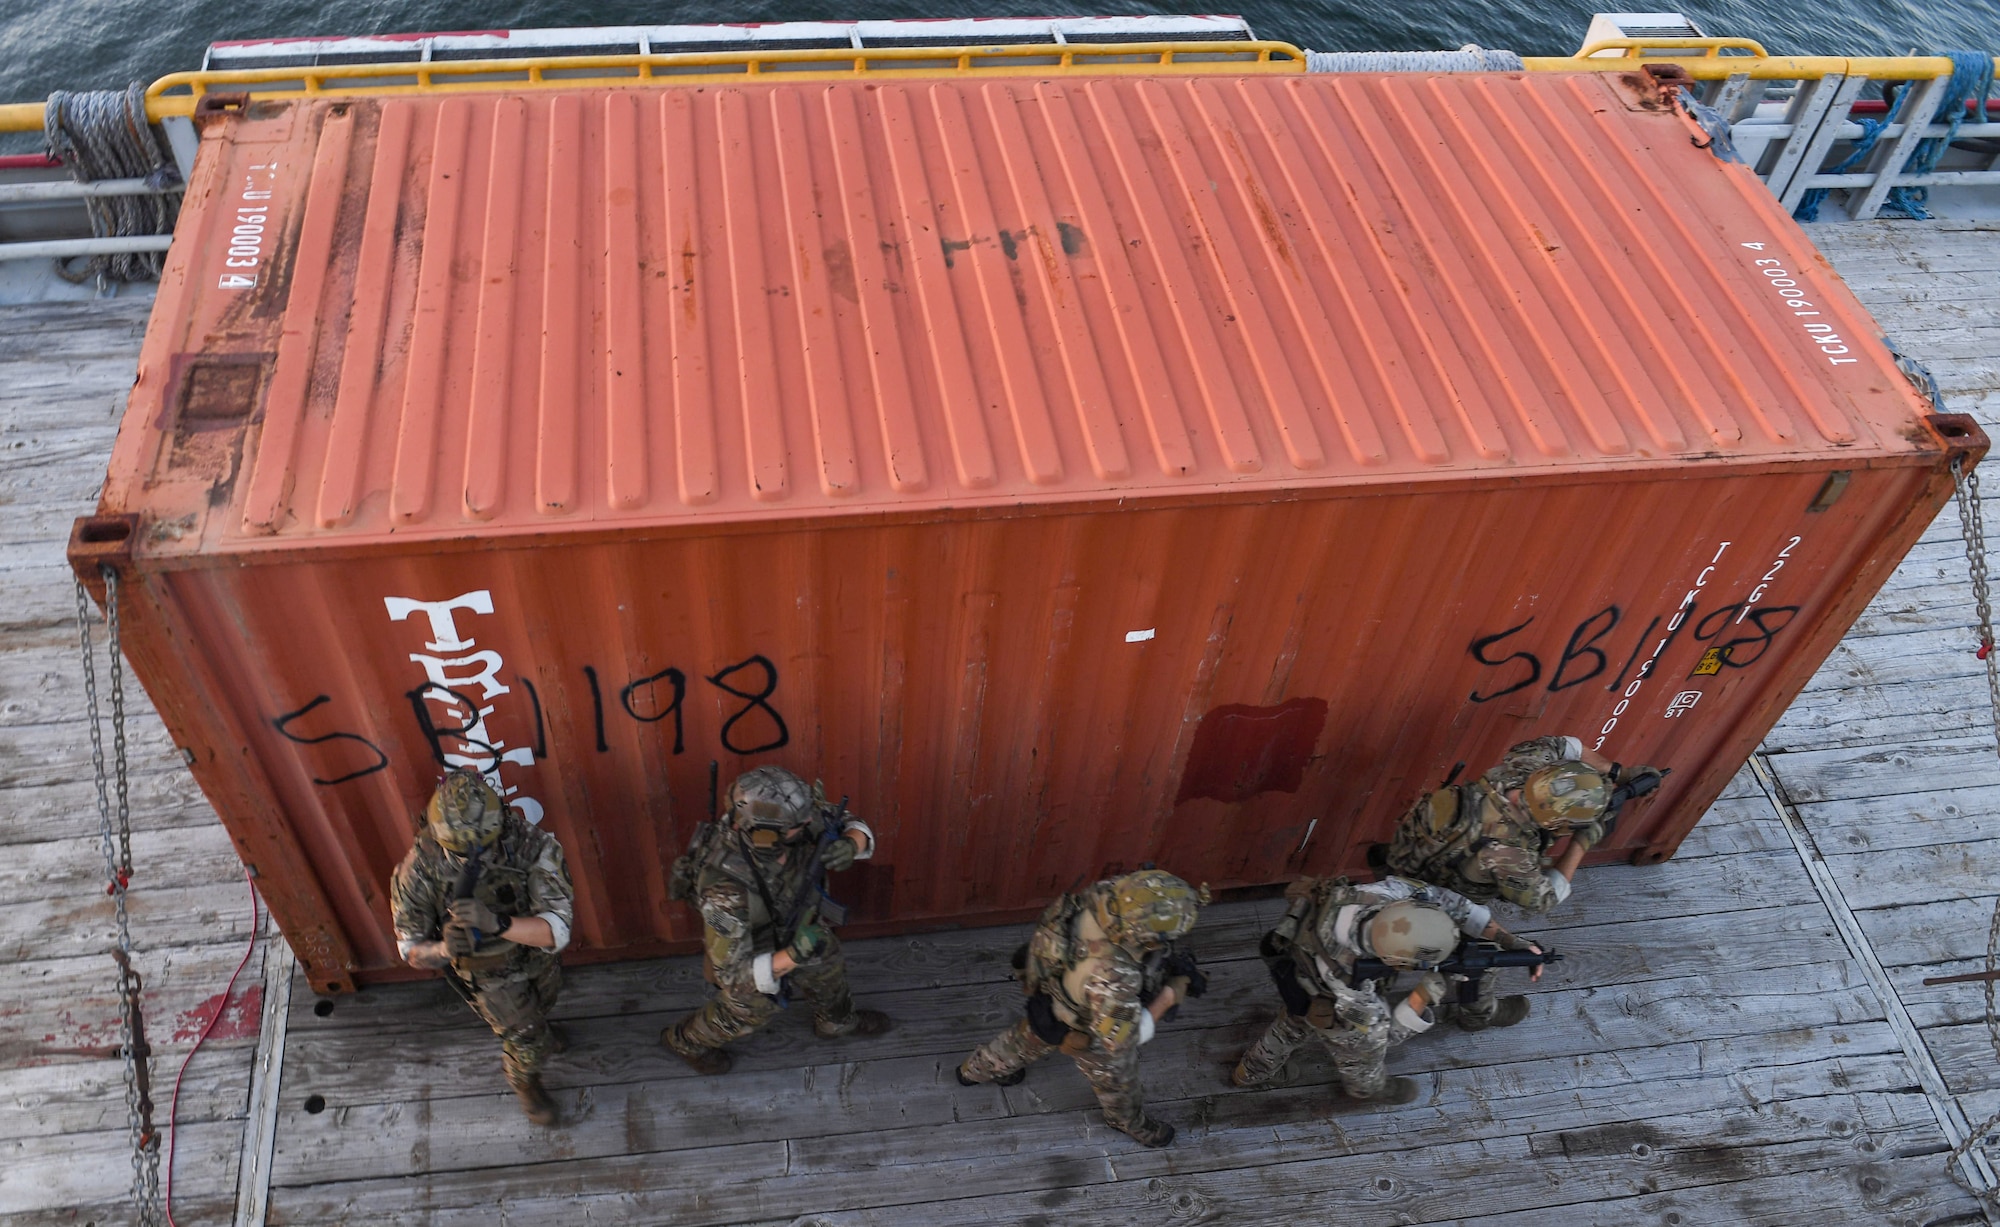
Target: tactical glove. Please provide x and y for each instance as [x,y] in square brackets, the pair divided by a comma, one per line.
[1433,987]
[1511,942]
[475,915]
[839,855]
[458,940]
[809,943]
[1588,835]
[1640,779]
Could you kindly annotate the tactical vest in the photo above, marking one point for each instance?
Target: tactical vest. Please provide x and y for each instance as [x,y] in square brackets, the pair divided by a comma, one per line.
[1069,947]
[727,861]
[1320,965]
[502,886]
[1440,838]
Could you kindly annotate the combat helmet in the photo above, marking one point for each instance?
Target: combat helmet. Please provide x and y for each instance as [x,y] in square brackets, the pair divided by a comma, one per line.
[1410,934]
[464,813]
[1565,795]
[1148,908]
[768,804]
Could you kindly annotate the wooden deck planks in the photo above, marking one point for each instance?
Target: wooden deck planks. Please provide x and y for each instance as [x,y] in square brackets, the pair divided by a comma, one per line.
[1709,1054]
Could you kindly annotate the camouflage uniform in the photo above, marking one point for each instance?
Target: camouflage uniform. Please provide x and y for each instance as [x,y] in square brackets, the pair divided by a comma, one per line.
[1321,937]
[1096,988]
[743,897]
[1481,842]
[510,986]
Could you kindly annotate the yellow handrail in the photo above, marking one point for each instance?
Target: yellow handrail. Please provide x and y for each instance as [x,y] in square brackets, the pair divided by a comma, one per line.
[1639,46]
[177,93]
[1757,67]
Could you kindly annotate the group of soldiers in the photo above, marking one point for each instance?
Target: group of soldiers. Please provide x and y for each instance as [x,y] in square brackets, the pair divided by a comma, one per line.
[484,897]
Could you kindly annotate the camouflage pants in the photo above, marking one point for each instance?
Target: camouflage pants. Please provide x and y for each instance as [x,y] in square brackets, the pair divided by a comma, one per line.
[1359,1048]
[516,1005]
[1479,1005]
[1113,1075]
[736,1010]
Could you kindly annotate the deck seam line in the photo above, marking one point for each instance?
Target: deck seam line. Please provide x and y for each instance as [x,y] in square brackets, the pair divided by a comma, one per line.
[260,1128]
[1951,1117]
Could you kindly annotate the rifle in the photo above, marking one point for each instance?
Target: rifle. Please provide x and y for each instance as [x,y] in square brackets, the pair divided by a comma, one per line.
[1628,791]
[814,887]
[468,881]
[687,867]
[1472,959]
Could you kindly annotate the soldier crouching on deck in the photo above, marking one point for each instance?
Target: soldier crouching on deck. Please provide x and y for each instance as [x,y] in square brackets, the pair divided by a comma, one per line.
[1101,970]
[757,881]
[1329,924]
[485,898]
[1489,839]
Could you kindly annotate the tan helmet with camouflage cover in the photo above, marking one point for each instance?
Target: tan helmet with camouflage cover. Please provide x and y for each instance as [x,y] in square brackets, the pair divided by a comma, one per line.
[1565,795]
[770,797]
[464,813]
[1410,934]
[1148,908]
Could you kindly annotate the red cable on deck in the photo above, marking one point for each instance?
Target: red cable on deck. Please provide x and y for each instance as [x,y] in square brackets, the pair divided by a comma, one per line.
[174,1108]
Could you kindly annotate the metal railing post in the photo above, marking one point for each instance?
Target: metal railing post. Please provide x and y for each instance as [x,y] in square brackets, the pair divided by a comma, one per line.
[1891,156]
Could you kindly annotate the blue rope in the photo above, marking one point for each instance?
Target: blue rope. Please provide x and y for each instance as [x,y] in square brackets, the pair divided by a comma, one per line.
[1971,78]
[1871,131]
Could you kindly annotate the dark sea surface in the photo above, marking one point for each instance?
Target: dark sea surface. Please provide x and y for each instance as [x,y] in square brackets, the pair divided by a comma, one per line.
[99,44]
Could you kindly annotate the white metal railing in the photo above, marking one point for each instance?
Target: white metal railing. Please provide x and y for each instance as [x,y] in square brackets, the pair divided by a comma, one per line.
[1791,154]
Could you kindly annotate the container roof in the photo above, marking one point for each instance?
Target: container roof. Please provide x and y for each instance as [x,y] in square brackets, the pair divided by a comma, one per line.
[501,312]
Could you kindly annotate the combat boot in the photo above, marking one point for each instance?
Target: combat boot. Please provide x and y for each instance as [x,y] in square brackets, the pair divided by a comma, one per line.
[861,1022]
[535,1102]
[1014,1079]
[1393,1091]
[1506,1012]
[710,1061]
[1151,1132]
[1239,1076]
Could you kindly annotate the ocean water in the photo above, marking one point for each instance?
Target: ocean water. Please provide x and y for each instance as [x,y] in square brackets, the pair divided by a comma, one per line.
[100,44]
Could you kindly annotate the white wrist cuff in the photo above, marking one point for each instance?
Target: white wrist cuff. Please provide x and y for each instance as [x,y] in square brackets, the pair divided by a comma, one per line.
[1411,1021]
[1477,917]
[760,971]
[558,928]
[1572,748]
[1146,1025]
[868,849]
[404,945]
[1557,884]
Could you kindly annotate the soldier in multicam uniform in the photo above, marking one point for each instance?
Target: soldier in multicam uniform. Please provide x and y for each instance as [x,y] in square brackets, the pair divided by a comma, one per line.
[1101,970]
[748,880]
[1328,925]
[1489,839]
[498,948]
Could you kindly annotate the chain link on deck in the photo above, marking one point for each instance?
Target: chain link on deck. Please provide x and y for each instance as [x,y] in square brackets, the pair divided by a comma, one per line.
[1972,527]
[115,834]
[1977,1135]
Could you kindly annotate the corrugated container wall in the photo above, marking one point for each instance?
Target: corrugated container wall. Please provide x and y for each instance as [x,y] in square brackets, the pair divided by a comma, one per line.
[1075,472]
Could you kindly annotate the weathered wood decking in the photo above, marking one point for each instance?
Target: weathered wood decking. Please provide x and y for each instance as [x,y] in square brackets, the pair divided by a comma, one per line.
[1722,1047]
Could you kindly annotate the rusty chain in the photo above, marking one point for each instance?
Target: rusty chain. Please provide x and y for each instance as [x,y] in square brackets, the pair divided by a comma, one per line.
[115,835]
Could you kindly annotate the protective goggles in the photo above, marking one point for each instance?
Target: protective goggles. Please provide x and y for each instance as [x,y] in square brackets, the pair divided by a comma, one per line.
[766,838]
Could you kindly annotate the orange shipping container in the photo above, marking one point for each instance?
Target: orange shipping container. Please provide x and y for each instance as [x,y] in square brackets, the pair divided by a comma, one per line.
[1077,472]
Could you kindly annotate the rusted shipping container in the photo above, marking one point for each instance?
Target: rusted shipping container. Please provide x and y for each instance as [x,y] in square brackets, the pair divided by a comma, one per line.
[1077,472]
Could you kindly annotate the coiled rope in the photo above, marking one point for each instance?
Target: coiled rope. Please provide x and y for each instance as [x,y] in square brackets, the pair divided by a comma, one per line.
[1469,58]
[105,134]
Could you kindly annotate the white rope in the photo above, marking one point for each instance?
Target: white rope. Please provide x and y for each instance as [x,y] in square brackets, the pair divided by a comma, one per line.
[1469,58]
[105,134]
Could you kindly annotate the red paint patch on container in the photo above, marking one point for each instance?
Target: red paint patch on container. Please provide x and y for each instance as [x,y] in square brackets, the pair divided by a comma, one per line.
[1241,750]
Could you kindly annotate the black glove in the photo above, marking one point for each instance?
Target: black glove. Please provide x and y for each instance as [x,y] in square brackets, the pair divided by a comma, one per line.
[1180,963]
[1285,974]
